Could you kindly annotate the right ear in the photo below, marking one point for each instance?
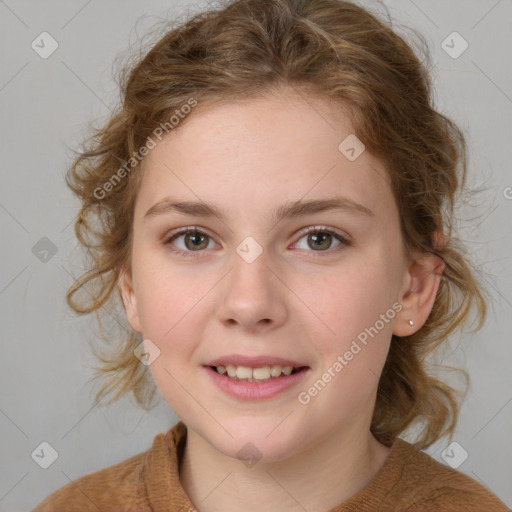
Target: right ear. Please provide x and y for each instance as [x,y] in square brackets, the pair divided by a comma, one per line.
[125,284]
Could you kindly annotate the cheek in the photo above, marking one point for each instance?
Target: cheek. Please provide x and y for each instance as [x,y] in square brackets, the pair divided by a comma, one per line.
[169,318]
[353,318]
[349,301]
[167,299]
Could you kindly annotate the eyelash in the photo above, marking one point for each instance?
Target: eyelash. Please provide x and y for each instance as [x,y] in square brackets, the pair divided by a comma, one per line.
[314,229]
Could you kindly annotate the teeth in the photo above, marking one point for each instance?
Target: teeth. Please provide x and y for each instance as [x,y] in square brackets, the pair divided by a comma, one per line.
[275,371]
[261,373]
[243,372]
[287,370]
[253,374]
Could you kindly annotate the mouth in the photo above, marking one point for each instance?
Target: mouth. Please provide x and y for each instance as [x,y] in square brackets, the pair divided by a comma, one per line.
[255,377]
[256,374]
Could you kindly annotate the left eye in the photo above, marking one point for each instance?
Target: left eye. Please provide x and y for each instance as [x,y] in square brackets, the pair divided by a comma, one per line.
[321,239]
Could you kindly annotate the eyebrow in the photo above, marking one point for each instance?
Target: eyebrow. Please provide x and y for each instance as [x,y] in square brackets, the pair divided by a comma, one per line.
[288,210]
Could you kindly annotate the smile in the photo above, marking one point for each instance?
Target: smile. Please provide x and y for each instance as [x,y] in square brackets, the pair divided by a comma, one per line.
[260,374]
[246,383]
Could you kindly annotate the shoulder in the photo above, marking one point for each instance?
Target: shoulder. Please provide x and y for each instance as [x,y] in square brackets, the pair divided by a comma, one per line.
[430,485]
[117,487]
[141,483]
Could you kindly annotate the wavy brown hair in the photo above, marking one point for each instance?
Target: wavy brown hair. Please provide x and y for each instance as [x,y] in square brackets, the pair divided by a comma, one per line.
[328,49]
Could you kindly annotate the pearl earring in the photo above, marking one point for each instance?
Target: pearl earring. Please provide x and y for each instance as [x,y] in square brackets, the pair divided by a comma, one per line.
[411,322]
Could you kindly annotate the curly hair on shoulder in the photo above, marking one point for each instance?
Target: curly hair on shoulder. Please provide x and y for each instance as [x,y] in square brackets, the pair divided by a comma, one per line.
[330,49]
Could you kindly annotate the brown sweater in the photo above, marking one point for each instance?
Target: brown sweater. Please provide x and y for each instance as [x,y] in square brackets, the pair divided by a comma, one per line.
[409,480]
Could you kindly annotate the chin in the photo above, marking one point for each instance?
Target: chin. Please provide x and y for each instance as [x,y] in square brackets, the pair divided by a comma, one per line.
[257,440]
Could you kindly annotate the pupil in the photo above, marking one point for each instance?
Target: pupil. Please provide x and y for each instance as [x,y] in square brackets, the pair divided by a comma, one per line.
[194,237]
[323,237]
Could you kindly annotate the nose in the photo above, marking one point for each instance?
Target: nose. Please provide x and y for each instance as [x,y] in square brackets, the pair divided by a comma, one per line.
[253,296]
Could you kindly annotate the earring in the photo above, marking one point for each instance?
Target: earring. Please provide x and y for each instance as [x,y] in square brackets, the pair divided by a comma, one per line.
[411,322]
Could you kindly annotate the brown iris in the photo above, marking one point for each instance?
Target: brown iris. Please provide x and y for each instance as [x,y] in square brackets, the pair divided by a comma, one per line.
[196,244]
[320,239]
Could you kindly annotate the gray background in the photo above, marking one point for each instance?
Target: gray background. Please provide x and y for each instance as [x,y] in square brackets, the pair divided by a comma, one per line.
[47,105]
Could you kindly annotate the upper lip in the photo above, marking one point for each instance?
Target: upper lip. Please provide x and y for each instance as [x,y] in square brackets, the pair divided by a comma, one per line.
[253,361]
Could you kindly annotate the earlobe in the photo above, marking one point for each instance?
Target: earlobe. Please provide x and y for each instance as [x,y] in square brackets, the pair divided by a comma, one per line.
[128,299]
[418,299]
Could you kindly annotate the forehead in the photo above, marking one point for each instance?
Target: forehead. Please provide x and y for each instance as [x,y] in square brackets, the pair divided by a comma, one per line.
[255,153]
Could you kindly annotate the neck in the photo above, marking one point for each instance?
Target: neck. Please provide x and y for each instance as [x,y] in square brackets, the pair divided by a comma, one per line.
[319,478]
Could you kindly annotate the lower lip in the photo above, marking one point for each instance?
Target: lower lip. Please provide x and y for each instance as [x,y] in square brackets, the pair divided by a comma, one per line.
[256,390]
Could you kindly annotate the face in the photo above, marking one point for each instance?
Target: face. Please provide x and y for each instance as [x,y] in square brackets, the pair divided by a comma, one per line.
[304,288]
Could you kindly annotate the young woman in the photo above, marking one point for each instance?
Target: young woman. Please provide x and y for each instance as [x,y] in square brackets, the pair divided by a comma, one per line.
[272,205]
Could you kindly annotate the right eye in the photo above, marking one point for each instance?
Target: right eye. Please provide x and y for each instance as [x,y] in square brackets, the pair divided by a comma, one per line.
[193,241]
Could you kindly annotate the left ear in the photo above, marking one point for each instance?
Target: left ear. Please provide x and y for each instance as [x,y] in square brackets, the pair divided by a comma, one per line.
[423,280]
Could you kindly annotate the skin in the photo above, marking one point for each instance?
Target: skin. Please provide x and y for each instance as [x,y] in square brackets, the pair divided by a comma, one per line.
[249,157]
